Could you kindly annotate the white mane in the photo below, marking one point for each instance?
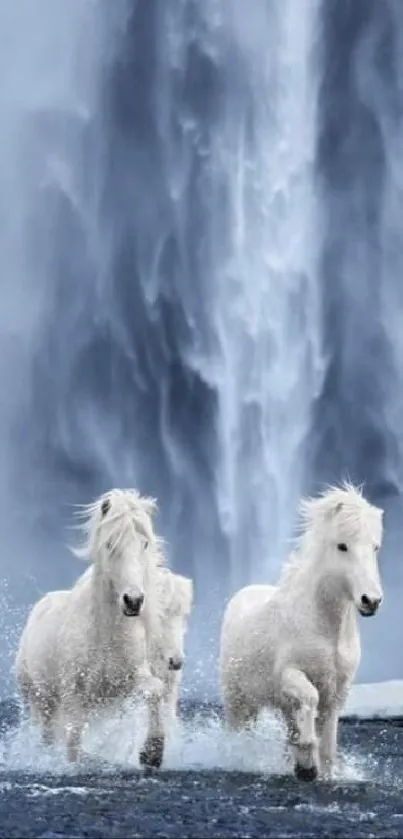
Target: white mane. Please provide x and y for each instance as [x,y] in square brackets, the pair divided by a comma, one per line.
[128,514]
[316,513]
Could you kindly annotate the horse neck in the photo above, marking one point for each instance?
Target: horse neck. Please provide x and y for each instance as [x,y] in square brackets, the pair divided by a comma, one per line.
[323,596]
[334,610]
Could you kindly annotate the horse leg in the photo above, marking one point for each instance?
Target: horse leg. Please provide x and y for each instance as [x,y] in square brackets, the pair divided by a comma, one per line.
[300,699]
[48,731]
[239,714]
[41,715]
[327,731]
[73,725]
[148,685]
[152,753]
[171,696]
[74,741]
[329,724]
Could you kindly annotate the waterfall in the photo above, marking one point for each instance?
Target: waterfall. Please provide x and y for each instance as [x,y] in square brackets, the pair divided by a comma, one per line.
[262,253]
[231,254]
[52,56]
[357,422]
[200,254]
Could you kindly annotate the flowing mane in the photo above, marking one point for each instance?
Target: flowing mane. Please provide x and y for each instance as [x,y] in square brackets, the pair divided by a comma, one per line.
[128,513]
[315,514]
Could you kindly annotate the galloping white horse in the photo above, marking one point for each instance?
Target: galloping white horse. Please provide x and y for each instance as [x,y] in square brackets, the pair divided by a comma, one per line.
[176,595]
[91,645]
[296,647]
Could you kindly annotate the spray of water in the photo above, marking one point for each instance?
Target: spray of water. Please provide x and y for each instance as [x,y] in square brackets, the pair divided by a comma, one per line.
[195,744]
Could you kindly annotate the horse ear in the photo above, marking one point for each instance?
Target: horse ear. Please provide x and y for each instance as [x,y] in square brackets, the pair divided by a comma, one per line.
[333,511]
[105,506]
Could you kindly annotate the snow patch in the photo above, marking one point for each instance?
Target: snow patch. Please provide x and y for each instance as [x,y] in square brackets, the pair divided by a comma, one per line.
[382,699]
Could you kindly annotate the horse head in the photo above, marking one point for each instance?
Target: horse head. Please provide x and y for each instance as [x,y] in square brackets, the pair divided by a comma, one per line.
[354,536]
[124,557]
[177,598]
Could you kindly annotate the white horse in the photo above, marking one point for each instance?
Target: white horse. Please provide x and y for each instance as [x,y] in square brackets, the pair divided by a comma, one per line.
[90,646]
[295,647]
[176,595]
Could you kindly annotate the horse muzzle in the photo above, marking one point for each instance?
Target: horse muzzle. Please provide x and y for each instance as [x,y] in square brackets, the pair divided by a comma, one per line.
[132,605]
[369,606]
[175,664]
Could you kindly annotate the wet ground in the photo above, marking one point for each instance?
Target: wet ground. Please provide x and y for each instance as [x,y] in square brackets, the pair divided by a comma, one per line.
[214,785]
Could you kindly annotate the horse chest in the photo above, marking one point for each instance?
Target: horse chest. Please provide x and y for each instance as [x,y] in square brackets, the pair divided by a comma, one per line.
[331,666]
[346,658]
[318,663]
[111,674]
[112,681]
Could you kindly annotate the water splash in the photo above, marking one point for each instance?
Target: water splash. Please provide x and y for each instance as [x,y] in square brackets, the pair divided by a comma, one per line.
[200,743]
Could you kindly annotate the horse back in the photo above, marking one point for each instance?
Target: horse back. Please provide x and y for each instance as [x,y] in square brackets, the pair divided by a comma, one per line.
[38,636]
[242,615]
[248,599]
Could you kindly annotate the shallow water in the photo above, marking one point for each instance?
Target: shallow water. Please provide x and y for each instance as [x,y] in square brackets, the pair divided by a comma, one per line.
[214,784]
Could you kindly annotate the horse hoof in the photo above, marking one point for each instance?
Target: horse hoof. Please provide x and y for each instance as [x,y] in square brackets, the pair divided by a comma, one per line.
[152,753]
[305,773]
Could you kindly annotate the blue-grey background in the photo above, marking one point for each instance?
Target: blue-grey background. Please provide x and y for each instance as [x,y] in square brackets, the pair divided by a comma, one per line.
[201,289]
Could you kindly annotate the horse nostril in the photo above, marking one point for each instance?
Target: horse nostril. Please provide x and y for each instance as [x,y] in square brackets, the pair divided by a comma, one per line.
[174,664]
[370,605]
[132,605]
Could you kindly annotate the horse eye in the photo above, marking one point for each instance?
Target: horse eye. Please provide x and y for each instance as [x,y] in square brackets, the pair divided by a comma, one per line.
[342,546]
[145,545]
[376,548]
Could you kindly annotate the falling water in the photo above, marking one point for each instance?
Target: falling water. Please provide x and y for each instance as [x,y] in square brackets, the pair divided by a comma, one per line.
[52,55]
[261,254]
[358,419]
[163,250]
[198,203]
